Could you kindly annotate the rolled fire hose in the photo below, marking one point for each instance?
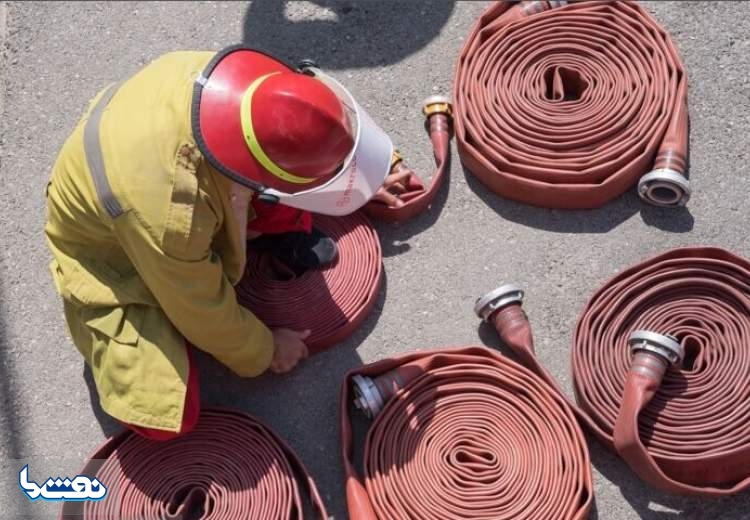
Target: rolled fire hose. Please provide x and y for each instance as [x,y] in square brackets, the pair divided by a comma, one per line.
[569,104]
[462,434]
[661,367]
[230,466]
[417,198]
[333,301]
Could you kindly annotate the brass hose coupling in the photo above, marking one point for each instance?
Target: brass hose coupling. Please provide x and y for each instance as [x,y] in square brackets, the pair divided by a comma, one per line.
[437,104]
[396,158]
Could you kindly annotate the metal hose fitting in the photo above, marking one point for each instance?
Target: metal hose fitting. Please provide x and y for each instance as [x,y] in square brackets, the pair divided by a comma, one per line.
[437,104]
[653,353]
[665,188]
[496,299]
[367,397]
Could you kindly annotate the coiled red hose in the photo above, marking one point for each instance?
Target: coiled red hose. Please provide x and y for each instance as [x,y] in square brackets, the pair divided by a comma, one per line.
[331,302]
[684,430]
[229,467]
[465,434]
[568,104]
[694,435]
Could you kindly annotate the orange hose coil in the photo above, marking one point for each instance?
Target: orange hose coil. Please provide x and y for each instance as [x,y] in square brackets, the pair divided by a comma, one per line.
[332,302]
[466,434]
[674,407]
[693,436]
[230,466]
[569,104]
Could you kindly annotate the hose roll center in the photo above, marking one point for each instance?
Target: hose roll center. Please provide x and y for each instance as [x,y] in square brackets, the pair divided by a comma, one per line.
[564,84]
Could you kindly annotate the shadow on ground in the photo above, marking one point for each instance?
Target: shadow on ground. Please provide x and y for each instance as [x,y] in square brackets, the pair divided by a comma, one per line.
[11,428]
[345,34]
[601,220]
[651,504]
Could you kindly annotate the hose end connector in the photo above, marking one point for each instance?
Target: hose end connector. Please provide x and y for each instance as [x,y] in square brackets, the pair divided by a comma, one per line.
[396,158]
[664,187]
[367,397]
[437,104]
[530,7]
[663,345]
[504,295]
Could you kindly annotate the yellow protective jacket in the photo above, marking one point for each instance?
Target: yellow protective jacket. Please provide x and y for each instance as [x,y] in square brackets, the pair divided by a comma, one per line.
[175,250]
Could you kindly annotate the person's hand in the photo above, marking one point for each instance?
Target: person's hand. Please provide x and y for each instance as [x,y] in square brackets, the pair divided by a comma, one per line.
[289,349]
[395,184]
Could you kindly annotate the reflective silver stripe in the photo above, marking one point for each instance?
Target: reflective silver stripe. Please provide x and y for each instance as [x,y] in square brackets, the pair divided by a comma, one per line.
[93,149]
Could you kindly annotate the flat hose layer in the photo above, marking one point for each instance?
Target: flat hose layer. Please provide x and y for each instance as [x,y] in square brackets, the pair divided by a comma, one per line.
[464,434]
[332,302]
[569,104]
[231,466]
[684,430]
[416,197]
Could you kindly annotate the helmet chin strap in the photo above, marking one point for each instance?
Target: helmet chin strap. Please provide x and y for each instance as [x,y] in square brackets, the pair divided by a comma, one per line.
[267,197]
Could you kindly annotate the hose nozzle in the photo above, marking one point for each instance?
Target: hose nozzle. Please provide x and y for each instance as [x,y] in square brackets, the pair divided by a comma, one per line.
[653,353]
[664,187]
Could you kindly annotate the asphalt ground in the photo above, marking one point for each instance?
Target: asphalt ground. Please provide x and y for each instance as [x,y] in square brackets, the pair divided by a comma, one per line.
[391,55]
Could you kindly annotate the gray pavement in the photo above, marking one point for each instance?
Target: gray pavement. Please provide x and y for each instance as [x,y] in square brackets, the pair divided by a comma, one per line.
[57,55]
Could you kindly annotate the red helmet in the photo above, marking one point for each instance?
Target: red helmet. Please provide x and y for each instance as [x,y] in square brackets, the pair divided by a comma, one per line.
[264,124]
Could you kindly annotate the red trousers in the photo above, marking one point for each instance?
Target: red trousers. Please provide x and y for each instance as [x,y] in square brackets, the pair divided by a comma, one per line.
[270,219]
[190,413]
[275,218]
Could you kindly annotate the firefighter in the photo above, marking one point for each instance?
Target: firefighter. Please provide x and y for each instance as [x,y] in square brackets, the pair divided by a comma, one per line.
[154,195]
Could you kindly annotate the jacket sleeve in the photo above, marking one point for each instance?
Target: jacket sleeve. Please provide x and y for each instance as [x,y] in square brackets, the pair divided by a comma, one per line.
[190,285]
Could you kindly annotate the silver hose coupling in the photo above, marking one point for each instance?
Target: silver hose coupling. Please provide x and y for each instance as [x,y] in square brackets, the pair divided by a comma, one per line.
[530,7]
[367,397]
[504,295]
[662,345]
[665,188]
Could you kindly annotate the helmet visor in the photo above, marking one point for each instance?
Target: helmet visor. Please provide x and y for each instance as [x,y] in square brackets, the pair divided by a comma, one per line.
[363,171]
